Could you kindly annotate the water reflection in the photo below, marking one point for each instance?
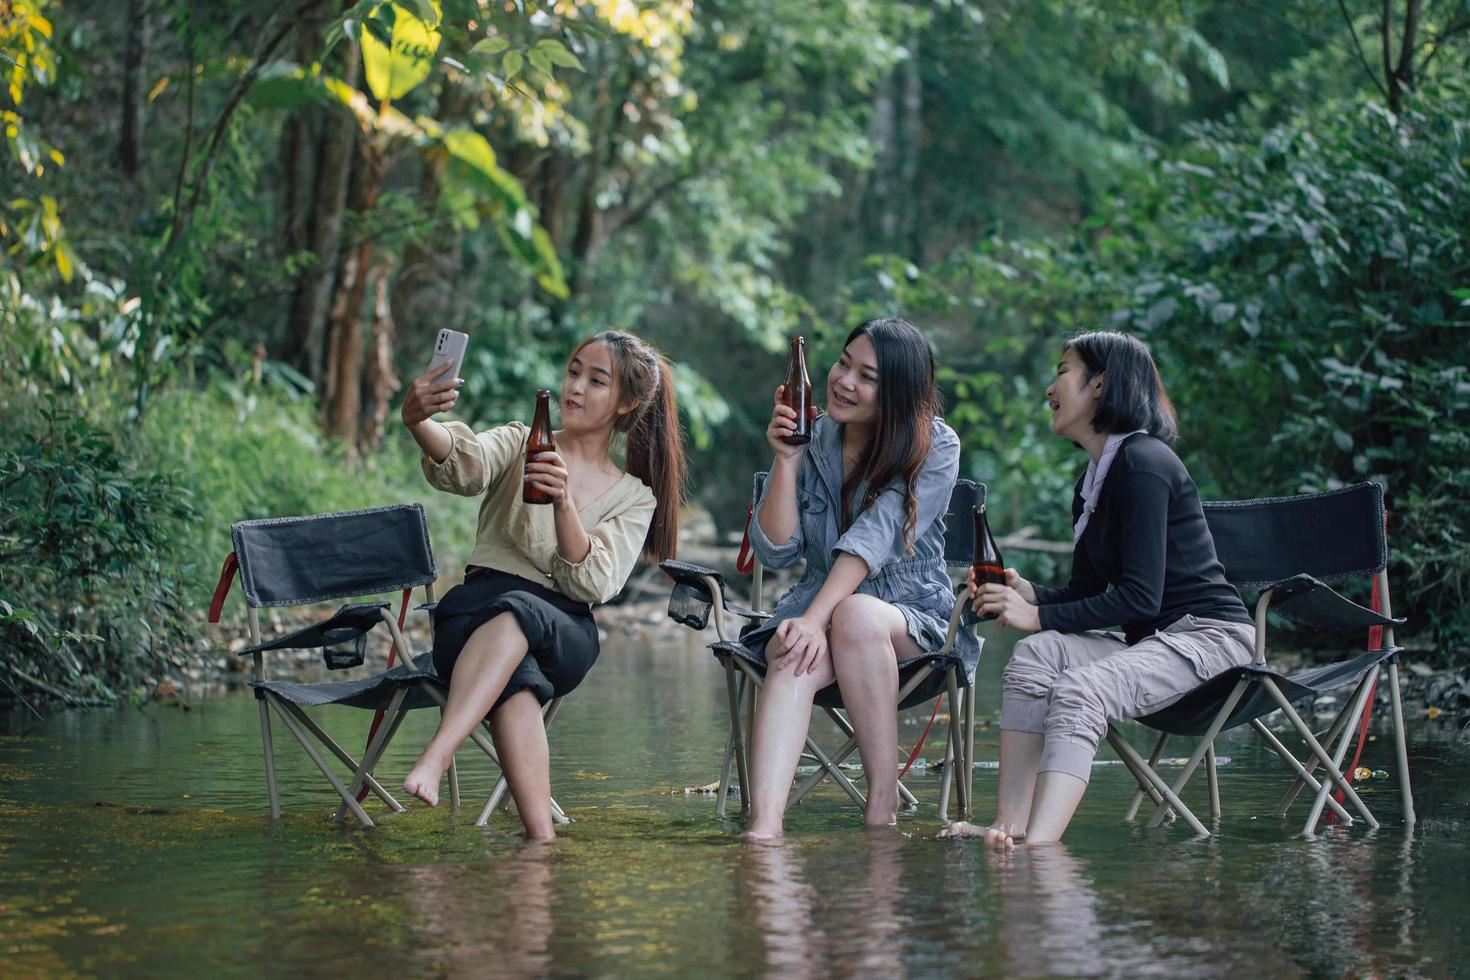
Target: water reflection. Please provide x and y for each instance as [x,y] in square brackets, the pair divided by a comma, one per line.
[845,926]
[1049,922]
[467,918]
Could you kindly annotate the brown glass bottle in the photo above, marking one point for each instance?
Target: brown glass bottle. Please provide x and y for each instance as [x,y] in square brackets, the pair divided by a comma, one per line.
[990,567]
[798,394]
[541,440]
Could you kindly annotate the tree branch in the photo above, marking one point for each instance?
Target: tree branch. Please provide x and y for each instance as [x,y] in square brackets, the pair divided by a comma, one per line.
[1357,44]
[1438,42]
[631,216]
[283,21]
[1405,69]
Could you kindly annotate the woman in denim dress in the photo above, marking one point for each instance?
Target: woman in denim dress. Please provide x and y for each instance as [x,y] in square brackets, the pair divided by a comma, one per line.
[864,504]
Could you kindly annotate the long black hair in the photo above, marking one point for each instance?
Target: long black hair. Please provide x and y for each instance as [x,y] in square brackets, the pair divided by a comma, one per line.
[907,405]
[1133,395]
[655,440]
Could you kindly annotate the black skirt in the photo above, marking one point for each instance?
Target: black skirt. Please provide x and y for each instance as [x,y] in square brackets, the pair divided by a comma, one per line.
[560,632]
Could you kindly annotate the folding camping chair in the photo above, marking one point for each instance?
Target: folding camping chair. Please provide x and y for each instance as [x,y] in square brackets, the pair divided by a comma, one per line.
[699,591]
[294,561]
[1289,548]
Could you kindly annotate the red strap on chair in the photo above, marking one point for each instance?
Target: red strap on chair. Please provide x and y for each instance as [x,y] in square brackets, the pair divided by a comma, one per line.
[923,738]
[392,655]
[226,577]
[745,561]
[1375,642]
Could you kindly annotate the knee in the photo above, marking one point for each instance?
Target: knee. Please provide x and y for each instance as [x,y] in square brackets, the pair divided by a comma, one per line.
[857,626]
[1035,665]
[502,630]
[1073,698]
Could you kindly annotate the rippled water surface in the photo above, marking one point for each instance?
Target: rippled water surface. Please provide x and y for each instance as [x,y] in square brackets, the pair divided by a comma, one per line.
[136,841]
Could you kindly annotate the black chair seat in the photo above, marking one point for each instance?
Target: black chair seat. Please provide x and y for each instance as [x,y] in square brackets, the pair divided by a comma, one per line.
[371,693]
[1193,713]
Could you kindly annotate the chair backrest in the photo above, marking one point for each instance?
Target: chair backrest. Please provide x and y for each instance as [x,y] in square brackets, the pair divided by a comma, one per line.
[1331,536]
[959,524]
[959,529]
[291,561]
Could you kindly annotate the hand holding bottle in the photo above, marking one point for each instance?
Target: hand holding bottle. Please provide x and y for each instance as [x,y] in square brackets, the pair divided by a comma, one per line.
[783,424]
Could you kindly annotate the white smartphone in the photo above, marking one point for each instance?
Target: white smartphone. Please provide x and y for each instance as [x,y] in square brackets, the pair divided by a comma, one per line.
[449,348]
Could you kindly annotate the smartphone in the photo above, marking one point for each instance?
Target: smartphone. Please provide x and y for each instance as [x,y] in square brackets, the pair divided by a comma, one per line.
[449,348]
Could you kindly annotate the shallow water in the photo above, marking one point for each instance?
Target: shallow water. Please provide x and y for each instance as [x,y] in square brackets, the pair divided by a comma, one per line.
[136,841]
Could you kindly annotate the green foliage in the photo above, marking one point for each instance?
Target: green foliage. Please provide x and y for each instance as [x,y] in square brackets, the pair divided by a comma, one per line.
[87,593]
[1301,286]
[111,540]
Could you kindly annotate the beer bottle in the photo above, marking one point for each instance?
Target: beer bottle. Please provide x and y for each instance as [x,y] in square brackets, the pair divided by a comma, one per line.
[990,568]
[540,441]
[798,394]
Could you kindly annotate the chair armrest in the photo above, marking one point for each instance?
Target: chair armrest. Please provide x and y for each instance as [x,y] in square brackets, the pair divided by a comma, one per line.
[352,619]
[745,612]
[688,572]
[1312,602]
[427,606]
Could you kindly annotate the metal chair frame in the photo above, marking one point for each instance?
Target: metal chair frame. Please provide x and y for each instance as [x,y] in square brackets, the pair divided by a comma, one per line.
[360,771]
[743,683]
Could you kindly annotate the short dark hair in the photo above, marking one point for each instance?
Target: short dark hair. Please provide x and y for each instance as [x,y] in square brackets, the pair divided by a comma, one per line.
[1133,397]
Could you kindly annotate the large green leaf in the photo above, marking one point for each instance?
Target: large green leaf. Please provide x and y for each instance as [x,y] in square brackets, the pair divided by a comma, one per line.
[286,85]
[472,160]
[396,69]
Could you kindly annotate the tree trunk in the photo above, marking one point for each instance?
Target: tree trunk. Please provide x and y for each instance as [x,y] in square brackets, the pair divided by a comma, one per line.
[344,370]
[297,183]
[135,59]
[311,306]
[881,128]
[550,199]
[382,380]
[910,148]
[424,294]
[1399,78]
[300,134]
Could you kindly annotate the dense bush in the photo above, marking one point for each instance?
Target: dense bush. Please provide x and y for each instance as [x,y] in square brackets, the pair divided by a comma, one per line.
[89,595]
[111,535]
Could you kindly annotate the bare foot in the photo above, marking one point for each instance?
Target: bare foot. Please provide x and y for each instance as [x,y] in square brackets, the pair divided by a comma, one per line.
[423,781]
[760,837]
[999,837]
[877,818]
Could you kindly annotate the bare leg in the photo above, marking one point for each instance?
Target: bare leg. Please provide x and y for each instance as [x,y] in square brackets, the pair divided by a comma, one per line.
[783,713]
[520,739]
[1057,796]
[1020,757]
[868,638]
[490,656]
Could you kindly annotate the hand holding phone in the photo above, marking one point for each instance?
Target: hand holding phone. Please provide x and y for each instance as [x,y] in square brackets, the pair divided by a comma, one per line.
[437,389]
[449,349]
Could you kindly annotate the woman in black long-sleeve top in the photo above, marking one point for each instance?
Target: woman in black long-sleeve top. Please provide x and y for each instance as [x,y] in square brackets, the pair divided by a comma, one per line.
[1143,560]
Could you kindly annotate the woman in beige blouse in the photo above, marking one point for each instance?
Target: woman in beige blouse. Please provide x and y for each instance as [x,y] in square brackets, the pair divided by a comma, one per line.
[519,631]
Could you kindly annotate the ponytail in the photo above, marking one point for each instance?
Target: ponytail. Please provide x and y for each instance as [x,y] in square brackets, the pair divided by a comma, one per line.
[656,456]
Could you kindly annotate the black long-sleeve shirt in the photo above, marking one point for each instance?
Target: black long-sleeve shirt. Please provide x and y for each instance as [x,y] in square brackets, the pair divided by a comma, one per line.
[1146,557]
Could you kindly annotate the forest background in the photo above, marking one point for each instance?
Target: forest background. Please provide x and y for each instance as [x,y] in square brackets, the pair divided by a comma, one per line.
[230,233]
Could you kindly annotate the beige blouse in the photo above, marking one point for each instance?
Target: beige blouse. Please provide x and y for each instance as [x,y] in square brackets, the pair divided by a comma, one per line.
[520,538]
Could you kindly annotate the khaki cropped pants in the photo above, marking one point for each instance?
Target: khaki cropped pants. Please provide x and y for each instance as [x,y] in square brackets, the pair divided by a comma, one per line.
[1068,686]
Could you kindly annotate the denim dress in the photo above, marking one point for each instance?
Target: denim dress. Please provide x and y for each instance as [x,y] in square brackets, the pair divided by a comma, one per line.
[915,583]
